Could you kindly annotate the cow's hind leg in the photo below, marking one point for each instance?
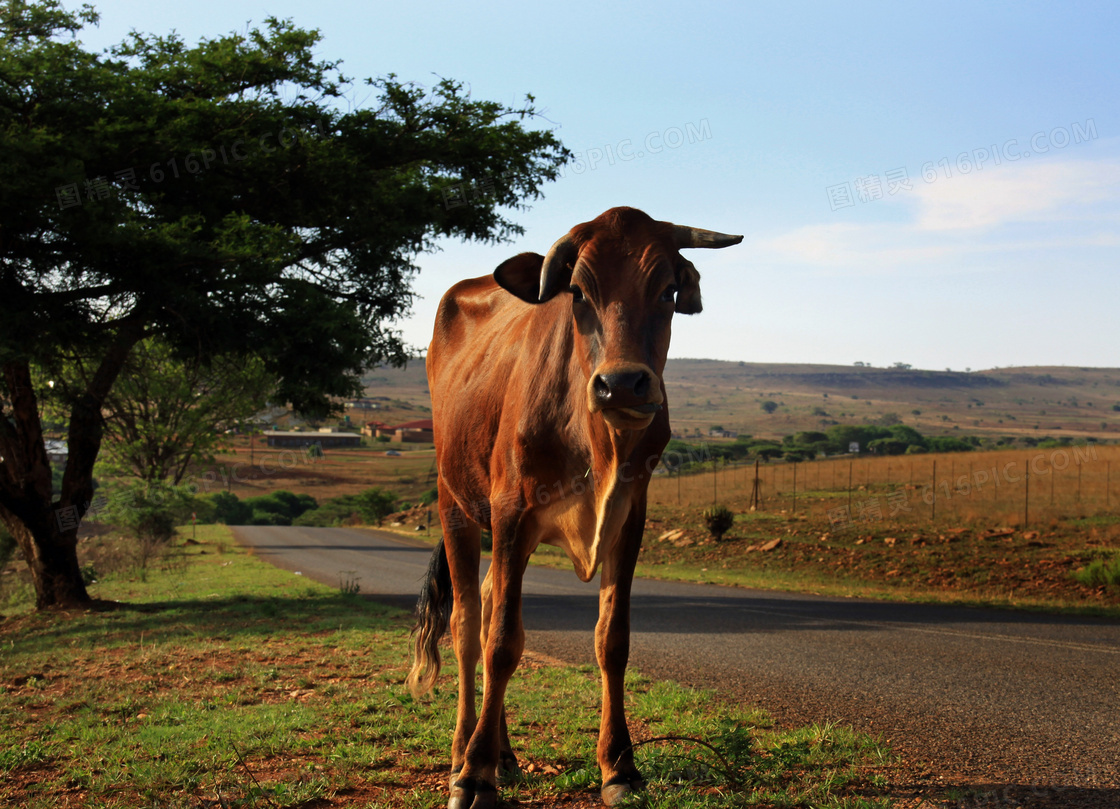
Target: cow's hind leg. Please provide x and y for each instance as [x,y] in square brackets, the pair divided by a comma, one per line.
[463,542]
[507,759]
[612,649]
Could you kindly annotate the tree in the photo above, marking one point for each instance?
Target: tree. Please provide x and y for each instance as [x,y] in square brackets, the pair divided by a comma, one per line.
[375,504]
[769,406]
[229,198]
[164,414]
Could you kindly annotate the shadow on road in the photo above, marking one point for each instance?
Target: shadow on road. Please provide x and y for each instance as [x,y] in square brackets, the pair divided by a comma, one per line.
[1008,796]
[749,612]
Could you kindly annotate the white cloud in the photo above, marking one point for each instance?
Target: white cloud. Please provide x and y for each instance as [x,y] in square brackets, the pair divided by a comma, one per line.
[1030,192]
[993,219]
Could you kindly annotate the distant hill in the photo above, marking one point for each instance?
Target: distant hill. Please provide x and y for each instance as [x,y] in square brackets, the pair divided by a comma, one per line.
[1038,401]
[1005,401]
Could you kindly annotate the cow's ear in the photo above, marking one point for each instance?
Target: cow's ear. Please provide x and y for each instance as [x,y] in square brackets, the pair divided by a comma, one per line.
[521,276]
[688,288]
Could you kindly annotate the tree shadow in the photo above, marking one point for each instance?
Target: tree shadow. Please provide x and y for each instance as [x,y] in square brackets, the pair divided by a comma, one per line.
[227,618]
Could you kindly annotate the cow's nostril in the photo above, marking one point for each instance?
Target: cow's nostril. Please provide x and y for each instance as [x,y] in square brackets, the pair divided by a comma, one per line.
[602,389]
[641,388]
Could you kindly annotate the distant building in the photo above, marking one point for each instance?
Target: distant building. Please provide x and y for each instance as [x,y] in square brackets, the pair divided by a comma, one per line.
[722,434]
[327,440]
[363,404]
[413,432]
[57,451]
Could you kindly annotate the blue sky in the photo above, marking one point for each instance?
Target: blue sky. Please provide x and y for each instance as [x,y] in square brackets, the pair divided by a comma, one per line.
[935,184]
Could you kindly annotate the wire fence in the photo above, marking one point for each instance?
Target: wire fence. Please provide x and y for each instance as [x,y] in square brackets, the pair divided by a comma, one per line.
[1021,488]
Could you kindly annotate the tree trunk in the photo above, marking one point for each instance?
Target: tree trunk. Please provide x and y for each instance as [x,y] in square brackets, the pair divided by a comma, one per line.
[45,529]
[53,559]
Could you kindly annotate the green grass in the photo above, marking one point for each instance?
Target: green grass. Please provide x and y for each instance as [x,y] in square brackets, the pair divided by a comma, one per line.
[1101,572]
[223,681]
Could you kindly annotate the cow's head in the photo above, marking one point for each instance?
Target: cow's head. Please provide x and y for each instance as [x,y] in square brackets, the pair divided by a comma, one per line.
[624,277]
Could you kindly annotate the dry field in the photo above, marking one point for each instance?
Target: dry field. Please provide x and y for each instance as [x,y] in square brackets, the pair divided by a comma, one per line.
[249,473]
[1023,488]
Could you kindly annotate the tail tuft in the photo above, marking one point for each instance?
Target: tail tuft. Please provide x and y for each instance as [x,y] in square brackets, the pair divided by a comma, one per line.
[433,614]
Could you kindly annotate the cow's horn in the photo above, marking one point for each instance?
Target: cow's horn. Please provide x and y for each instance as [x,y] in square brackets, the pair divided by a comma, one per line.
[684,236]
[555,272]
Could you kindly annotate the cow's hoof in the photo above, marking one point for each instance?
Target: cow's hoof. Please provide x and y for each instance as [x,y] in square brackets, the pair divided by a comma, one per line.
[508,767]
[472,793]
[615,790]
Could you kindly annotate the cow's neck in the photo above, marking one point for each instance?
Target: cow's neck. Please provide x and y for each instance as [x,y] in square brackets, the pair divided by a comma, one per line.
[616,473]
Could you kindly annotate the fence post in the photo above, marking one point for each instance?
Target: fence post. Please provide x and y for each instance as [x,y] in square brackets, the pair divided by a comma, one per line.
[933,500]
[850,464]
[794,511]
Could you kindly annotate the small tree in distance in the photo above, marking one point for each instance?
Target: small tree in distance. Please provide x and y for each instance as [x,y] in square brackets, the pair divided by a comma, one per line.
[719,520]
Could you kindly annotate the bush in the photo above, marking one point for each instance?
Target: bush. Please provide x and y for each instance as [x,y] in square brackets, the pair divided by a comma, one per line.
[430,496]
[149,512]
[278,508]
[375,504]
[766,451]
[228,508]
[281,507]
[268,518]
[719,520]
[370,506]
[1100,572]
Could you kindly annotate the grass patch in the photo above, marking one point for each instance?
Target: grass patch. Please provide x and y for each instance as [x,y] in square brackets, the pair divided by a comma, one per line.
[222,681]
[1100,572]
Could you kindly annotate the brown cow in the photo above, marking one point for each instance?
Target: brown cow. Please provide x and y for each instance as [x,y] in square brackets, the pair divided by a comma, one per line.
[550,415]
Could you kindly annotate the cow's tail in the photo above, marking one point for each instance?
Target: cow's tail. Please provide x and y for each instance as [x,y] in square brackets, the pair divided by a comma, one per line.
[433,613]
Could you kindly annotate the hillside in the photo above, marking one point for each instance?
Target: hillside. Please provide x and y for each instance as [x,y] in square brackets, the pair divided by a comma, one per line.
[1005,401]
[1036,401]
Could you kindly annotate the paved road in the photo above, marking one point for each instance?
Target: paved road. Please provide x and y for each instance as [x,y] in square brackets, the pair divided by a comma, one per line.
[985,697]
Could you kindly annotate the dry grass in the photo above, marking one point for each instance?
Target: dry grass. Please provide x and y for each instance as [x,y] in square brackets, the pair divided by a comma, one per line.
[1021,488]
[249,473]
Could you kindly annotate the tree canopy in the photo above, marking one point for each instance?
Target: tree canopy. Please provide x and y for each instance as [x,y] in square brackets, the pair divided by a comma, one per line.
[232,197]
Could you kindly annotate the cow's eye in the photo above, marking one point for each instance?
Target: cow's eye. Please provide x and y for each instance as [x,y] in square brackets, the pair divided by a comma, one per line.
[669,295]
[577,293]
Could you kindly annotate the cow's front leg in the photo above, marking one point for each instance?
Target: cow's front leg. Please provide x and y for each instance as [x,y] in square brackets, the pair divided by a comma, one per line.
[612,648]
[476,785]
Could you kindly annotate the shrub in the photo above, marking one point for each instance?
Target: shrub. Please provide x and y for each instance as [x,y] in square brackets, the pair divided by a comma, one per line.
[228,508]
[375,504]
[719,520]
[766,451]
[268,518]
[278,508]
[1100,572]
[149,512]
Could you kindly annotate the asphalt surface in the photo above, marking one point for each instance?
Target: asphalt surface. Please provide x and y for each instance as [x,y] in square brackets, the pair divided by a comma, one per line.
[1022,706]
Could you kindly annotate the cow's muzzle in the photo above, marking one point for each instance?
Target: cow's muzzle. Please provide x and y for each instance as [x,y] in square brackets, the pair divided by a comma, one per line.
[627,394]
